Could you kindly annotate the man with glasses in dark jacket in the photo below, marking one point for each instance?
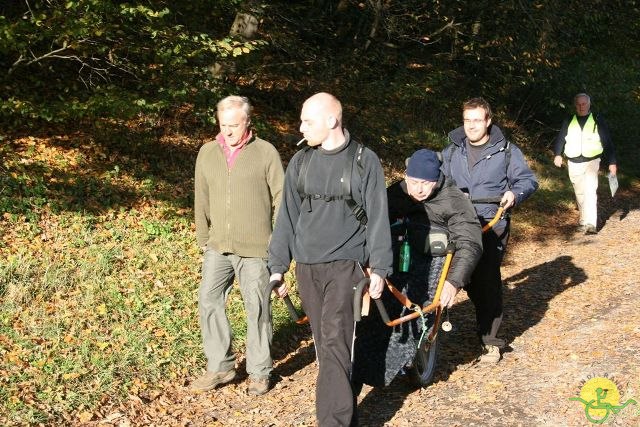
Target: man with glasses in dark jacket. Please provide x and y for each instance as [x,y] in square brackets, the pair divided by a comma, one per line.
[486,166]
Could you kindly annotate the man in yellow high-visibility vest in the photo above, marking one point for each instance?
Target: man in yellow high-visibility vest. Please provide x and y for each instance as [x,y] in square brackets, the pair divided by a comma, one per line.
[584,138]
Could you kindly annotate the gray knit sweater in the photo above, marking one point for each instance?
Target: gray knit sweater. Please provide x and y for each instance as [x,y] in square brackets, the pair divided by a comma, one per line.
[234,208]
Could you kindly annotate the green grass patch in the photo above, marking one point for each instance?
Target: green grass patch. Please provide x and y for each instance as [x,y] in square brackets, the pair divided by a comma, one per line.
[98,300]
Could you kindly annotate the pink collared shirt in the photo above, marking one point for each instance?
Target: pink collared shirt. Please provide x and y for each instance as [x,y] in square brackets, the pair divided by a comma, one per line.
[229,154]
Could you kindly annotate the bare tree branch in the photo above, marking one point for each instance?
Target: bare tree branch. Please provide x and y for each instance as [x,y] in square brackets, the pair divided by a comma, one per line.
[52,54]
[29,7]
[377,7]
[18,61]
[89,65]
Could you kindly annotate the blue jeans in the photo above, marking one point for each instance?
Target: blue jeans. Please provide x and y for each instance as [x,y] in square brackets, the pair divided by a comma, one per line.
[218,272]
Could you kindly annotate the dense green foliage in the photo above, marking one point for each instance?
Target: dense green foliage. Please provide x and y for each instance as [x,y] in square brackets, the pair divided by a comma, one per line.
[89,58]
[104,104]
[412,61]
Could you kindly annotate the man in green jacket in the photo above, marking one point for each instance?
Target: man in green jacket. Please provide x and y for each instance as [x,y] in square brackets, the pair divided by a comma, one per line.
[238,184]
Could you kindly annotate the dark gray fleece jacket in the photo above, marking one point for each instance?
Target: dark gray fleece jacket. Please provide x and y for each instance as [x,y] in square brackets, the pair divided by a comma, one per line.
[316,231]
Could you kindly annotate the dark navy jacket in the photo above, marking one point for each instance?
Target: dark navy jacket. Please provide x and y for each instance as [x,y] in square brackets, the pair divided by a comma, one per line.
[491,176]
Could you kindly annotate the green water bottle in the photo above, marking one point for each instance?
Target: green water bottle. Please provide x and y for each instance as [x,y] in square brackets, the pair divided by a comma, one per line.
[405,255]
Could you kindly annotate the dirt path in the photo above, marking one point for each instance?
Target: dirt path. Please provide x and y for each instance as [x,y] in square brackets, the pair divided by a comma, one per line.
[571,315]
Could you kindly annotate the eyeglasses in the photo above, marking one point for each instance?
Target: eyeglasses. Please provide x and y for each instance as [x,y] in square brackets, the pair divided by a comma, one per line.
[473,121]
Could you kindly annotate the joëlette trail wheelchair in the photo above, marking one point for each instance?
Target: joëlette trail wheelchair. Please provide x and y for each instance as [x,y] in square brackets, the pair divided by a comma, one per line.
[401,335]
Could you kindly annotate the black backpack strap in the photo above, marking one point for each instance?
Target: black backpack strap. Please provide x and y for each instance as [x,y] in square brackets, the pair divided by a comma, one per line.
[451,152]
[304,167]
[507,160]
[507,153]
[348,169]
[354,151]
[302,173]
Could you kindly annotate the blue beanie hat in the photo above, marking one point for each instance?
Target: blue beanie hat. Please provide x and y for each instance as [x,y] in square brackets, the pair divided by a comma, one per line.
[424,164]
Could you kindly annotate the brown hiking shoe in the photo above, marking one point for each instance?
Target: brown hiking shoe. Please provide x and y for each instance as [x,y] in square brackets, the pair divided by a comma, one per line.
[211,380]
[258,386]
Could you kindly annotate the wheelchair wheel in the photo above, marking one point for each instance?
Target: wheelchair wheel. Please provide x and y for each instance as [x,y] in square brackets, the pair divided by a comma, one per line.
[424,363]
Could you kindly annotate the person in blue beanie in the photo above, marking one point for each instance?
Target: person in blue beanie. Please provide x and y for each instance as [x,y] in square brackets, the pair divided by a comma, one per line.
[422,204]
[427,196]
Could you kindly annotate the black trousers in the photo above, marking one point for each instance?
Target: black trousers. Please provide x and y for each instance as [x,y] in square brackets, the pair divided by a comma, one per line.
[326,291]
[485,288]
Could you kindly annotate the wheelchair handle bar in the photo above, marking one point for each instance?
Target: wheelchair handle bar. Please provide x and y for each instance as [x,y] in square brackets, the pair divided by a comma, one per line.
[499,212]
[403,299]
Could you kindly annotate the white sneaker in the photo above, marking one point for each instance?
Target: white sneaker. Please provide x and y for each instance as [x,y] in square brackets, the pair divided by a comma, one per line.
[490,354]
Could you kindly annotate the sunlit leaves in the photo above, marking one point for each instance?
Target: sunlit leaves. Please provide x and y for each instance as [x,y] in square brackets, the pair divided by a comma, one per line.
[92,304]
[143,11]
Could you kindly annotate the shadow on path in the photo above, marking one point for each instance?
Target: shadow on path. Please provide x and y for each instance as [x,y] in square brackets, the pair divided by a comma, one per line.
[289,352]
[380,405]
[526,298]
[625,201]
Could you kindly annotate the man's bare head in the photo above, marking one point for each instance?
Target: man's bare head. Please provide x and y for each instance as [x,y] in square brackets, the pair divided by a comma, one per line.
[328,104]
[321,118]
[582,102]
